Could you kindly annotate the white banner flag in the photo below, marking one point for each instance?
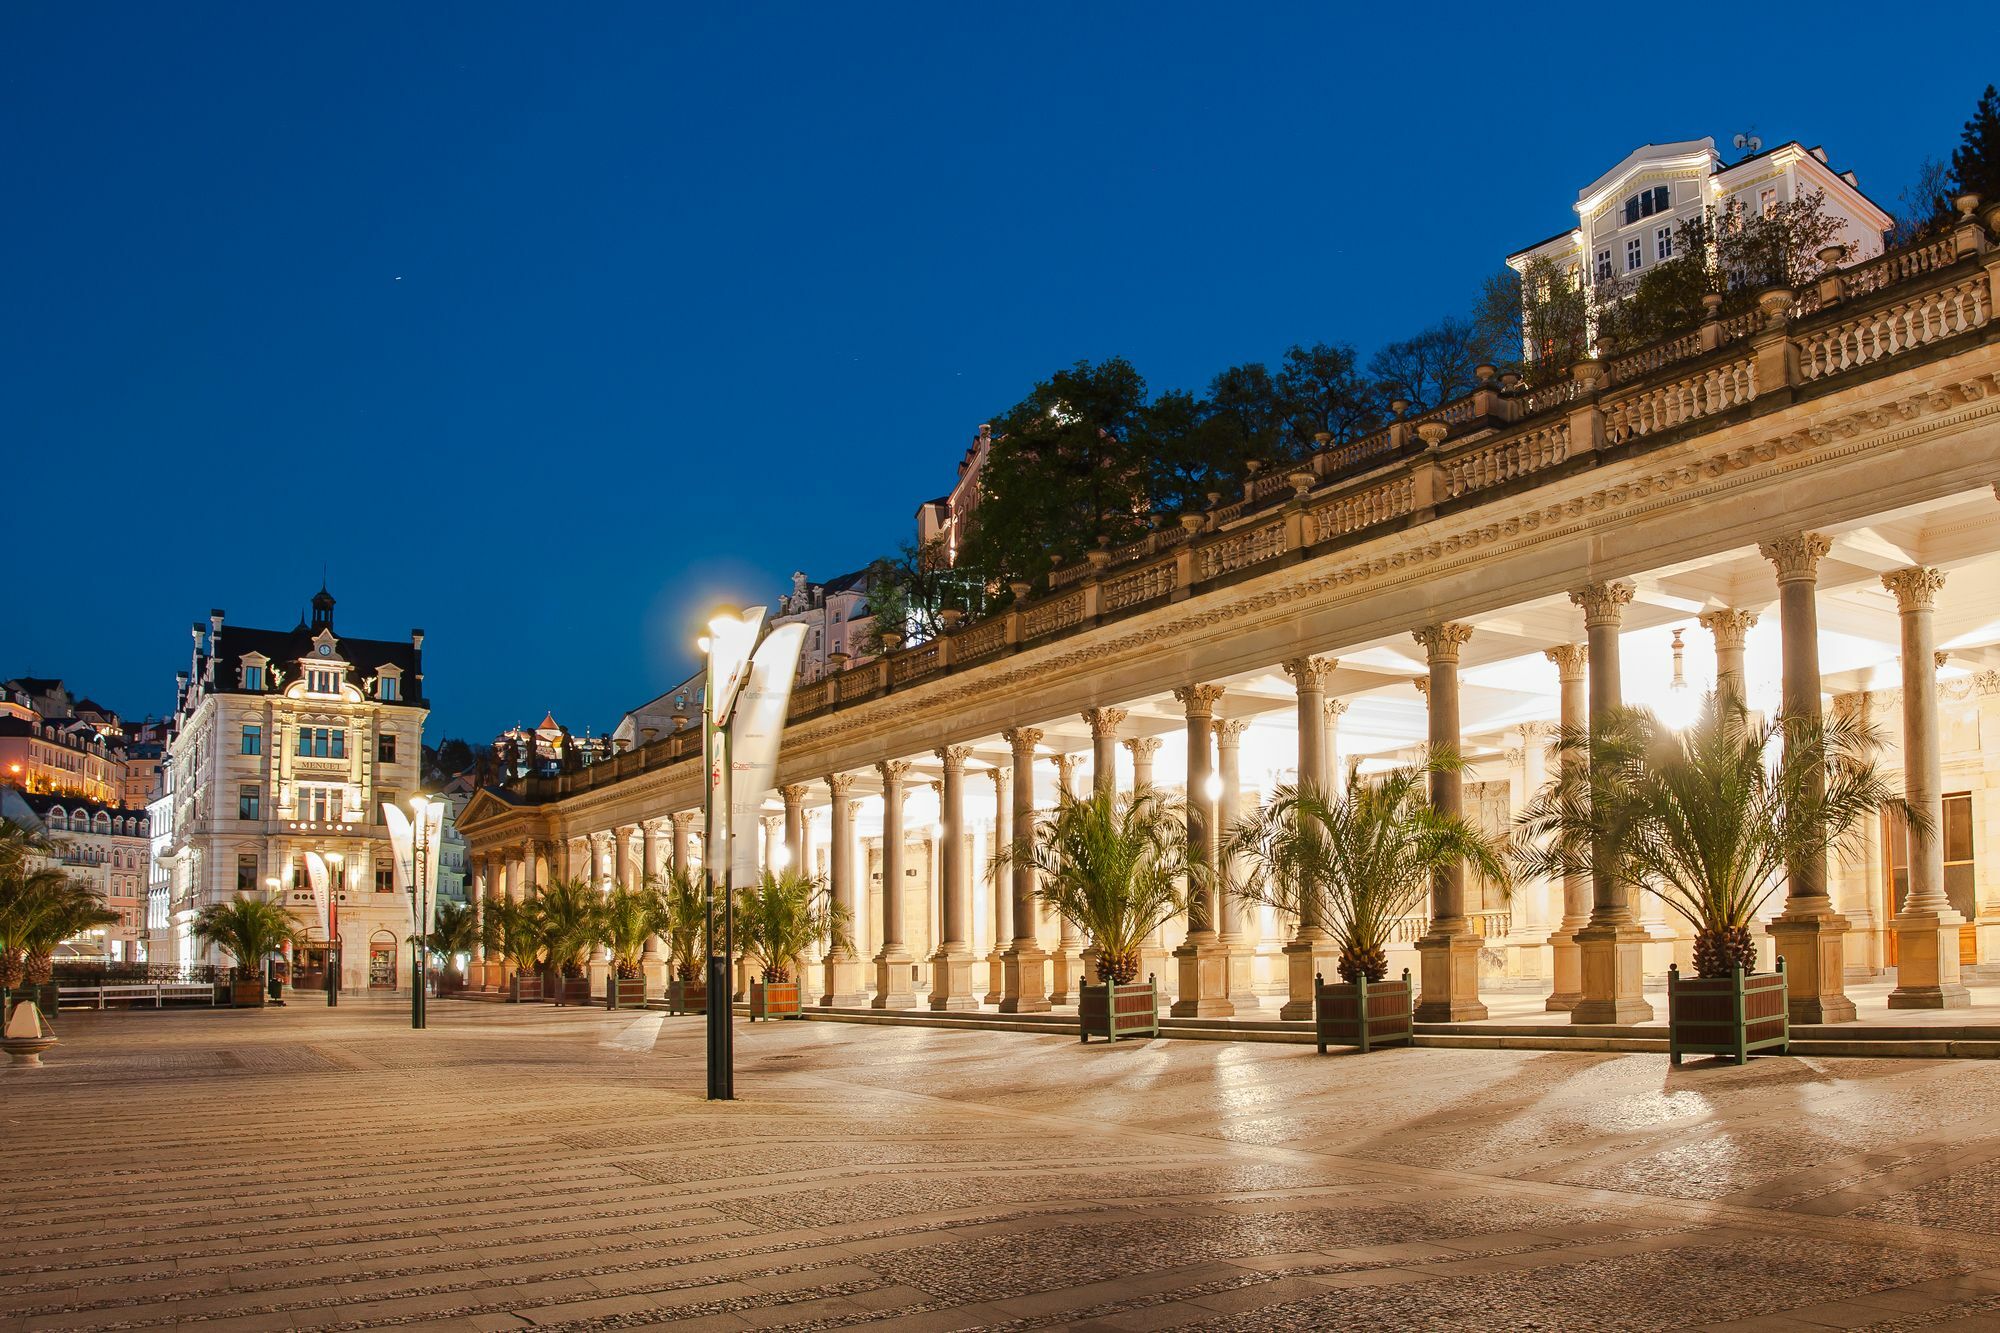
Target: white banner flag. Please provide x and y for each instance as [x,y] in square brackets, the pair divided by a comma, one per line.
[755,730]
[319,874]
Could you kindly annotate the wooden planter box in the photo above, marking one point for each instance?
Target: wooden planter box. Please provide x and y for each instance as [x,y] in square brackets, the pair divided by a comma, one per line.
[774,999]
[247,994]
[575,990]
[687,997]
[1364,1015]
[1112,1011]
[525,988]
[1732,1015]
[624,992]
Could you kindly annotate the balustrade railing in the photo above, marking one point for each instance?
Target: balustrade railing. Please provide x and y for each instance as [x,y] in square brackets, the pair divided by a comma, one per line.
[1659,407]
[1903,326]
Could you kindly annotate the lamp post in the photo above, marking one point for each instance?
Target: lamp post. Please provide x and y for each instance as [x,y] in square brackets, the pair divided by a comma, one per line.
[339,864]
[416,844]
[276,886]
[731,638]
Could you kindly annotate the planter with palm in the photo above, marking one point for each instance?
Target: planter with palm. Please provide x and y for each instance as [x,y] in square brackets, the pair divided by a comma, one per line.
[683,924]
[571,915]
[629,918]
[1117,868]
[1706,819]
[454,938]
[514,932]
[40,906]
[1363,859]
[777,920]
[249,930]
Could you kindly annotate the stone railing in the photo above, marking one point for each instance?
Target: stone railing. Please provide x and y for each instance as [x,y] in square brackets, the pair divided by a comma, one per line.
[1867,318]
[1495,923]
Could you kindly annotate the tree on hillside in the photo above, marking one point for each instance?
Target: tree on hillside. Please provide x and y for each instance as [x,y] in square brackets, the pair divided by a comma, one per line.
[909,592]
[1063,471]
[1433,367]
[1975,163]
[1536,322]
[1320,391]
[1924,205]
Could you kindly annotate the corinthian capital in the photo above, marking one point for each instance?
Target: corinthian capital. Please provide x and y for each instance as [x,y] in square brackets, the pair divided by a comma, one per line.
[893,771]
[1199,700]
[1311,673]
[954,757]
[1228,731]
[1571,660]
[842,783]
[1797,557]
[793,793]
[1104,722]
[1916,588]
[1602,603]
[1728,625]
[1023,740]
[1143,747]
[1442,641]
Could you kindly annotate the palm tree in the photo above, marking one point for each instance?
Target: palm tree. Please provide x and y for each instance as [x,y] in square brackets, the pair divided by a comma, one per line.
[783,915]
[248,930]
[683,921]
[515,930]
[65,908]
[629,918]
[1362,858]
[570,912]
[1115,867]
[456,934]
[29,884]
[1706,819]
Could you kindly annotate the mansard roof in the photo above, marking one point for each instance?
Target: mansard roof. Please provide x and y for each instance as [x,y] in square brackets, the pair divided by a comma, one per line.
[286,648]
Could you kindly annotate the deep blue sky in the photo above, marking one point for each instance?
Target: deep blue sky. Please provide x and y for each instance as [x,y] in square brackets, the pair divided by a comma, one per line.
[544,327]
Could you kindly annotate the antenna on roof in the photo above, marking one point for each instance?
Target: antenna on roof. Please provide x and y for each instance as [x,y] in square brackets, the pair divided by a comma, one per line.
[1748,141]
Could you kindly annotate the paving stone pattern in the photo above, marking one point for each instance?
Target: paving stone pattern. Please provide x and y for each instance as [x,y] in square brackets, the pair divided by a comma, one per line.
[528,1167]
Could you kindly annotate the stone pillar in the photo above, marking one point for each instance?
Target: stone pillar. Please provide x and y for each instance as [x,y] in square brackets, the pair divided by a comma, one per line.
[1067,964]
[1143,750]
[1104,747]
[1572,660]
[1311,951]
[480,870]
[1024,970]
[951,965]
[846,983]
[652,960]
[1003,896]
[893,987]
[1730,628]
[1809,933]
[794,797]
[1448,953]
[774,842]
[684,821]
[1336,771]
[629,855]
[1927,967]
[1611,944]
[1202,960]
[1240,934]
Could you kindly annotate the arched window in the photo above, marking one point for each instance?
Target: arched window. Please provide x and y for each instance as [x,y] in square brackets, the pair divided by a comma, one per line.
[102,824]
[58,821]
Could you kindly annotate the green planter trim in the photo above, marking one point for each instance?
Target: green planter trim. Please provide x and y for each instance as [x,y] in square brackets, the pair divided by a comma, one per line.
[1733,1015]
[1364,1015]
[1112,1011]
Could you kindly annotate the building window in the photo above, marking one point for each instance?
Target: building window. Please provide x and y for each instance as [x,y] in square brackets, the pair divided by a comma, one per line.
[253,677]
[322,742]
[246,872]
[385,749]
[1603,265]
[1767,201]
[1635,255]
[385,880]
[1663,243]
[1648,202]
[249,799]
[387,689]
[319,681]
[253,740]
[320,805]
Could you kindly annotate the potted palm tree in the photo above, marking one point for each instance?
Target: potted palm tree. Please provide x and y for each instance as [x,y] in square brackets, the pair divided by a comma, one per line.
[67,909]
[571,914]
[684,923]
[629,918]
[30,884]
[1362,858]
[778,919]
[249,930]
[514,930]
[455,936]
[1706,819]
[1115,867]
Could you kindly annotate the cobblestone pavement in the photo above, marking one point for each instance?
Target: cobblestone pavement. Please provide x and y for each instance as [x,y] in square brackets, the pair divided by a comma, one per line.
[535,1167]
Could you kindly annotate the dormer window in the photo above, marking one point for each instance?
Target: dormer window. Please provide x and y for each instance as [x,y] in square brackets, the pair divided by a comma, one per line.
[322,680]
[1648,202]
[253,676]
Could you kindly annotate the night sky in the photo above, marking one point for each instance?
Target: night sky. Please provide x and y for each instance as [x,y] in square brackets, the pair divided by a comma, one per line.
[546,327]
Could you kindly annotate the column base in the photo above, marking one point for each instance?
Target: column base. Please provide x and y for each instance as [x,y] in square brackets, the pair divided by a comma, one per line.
[996,977]
[654,969]
[1567,972]
[1203,964]
[1310,954]
[951,981]
[1810,937]
[1024,974]
[846,982]
[598,973]
[1158,964]
[1241,975]
[1066,973]
[893,988]
[1927,975]
[1449,986]
[1612,965]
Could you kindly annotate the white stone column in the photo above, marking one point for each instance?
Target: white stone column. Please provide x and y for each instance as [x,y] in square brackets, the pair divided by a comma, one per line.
[1311,951]
[846,984]
[794,797]
[1153,955]
[1612,944]
[1809,933]
[1001,881]
[1066,962]
[893,985]
[1448,953]
[1927,967]
[1144,749]
[1104,747]
[1202,960]
[684,821]
[1025,965]
[1730,629]
[1572,660]
[1240,934]
[951,965]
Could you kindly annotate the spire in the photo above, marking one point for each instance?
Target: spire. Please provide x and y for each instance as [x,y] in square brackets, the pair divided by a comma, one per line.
[322,609]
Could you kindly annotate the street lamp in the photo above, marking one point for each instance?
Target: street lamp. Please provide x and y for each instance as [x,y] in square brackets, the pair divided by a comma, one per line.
[339,865]
[415,844]
[731,638]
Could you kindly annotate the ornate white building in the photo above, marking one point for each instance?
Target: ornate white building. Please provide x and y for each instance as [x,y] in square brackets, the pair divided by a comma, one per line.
[287,742]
